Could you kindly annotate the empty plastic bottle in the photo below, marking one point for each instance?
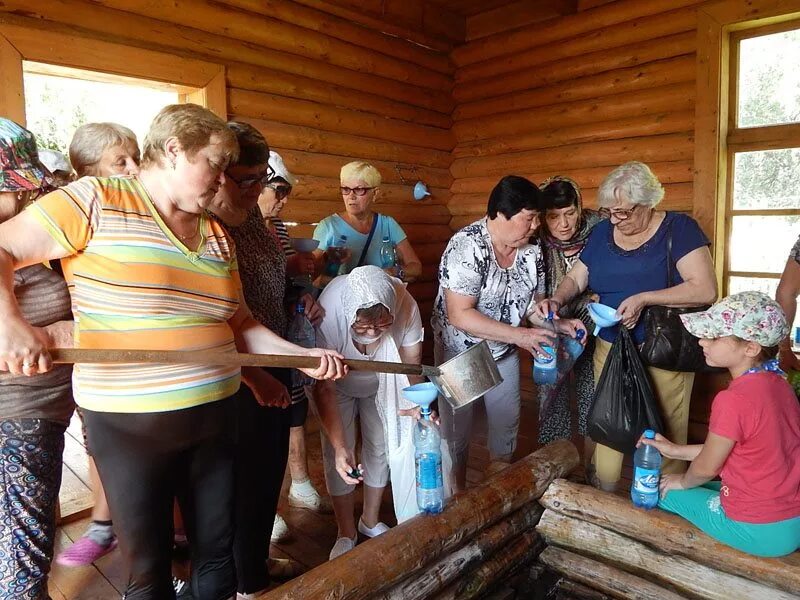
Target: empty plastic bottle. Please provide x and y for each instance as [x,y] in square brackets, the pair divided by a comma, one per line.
[301,332]
[388,253]
[428,458]
[572,351]
[336,256]
[646,474]
[545,367]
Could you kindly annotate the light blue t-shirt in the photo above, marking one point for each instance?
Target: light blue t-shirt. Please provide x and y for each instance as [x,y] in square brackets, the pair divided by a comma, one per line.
[330,228]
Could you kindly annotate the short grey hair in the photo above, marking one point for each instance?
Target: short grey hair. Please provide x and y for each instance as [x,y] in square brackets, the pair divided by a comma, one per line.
[91,140]
[633,181]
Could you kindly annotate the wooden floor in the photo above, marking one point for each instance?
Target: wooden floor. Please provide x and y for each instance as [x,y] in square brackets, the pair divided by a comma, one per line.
[312,534]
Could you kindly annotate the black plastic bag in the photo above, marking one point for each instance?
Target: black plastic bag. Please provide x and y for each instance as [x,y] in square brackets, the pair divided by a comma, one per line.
[624,402]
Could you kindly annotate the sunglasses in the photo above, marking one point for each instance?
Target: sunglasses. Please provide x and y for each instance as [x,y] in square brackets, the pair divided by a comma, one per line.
[358,191]
[281,191]
[249,182]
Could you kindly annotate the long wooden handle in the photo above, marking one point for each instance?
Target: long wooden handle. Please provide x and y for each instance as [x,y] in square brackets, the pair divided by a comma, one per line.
[209,357]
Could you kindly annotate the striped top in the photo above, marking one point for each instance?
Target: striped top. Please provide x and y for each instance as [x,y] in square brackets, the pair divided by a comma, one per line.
[134,285]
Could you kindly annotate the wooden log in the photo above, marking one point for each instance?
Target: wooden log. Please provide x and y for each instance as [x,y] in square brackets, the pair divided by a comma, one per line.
[636,126]
[612,153]
[73,17]
[666,99]
[608,579]
[667,172]
[385,560]
[516,14]
[279,35]
[343,29]
[638,30]
[619,81]
[683,574]
[328,165]
[571,68]
[309,139]
[670,534]
[252,77]
[477,550]
[515,554]
[567,589]
[12,93]
[313,212]
[328,118]
[545,35]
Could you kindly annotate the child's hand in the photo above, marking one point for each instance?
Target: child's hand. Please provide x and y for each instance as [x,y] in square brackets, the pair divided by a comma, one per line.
[662,444]
[670,482]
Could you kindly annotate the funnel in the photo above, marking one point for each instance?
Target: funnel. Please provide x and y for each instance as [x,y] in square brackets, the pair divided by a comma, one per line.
[304,244]
[422,394]
[420,191]
[602,315]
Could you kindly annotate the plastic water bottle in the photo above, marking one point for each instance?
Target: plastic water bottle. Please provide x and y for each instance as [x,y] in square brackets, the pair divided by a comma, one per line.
[545,368]
[573,349]
[428,459]
[646,474]
[388,253]
[335,256]
[301,332]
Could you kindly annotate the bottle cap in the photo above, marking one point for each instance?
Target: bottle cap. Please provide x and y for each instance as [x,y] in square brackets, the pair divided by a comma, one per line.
[300,308]
[580,334]
[385,238]
[649,434]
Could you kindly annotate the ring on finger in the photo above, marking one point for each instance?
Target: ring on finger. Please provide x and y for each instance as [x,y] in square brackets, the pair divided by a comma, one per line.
[28,364]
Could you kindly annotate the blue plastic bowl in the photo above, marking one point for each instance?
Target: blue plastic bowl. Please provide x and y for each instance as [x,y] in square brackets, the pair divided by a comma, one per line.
[602,315]
[421,393]
[304,244]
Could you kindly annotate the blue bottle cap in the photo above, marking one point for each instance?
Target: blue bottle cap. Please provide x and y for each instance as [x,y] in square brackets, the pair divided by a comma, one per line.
[649,434]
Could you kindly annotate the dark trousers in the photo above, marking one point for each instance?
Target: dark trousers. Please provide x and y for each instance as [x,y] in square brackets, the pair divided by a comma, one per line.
[145,461]
[262,451]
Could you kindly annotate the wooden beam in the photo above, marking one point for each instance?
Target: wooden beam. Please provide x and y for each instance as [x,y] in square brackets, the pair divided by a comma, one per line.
[213,95]
[516,14]
[385,560]
[12,100]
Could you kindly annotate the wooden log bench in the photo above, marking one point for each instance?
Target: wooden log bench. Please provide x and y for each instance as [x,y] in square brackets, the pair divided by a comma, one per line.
[600,541]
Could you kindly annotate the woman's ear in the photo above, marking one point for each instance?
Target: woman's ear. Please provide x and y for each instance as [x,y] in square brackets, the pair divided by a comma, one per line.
[171,149]
[376,194]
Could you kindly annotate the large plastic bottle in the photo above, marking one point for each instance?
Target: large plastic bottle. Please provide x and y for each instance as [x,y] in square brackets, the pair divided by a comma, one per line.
[301,332]
[646,474]
[428,458]
[335,255]
[388,253]
[545,368]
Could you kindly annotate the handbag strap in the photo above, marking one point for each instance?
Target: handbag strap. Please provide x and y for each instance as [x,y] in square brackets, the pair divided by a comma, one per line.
[670,282]
[369,240]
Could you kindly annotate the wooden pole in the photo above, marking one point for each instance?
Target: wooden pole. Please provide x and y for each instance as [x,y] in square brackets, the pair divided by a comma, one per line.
[383,561]
[669,533]
[435,577]
[603,577]
[680,573]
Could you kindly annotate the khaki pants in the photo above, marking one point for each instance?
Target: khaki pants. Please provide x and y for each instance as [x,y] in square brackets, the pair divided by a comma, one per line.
[673,392]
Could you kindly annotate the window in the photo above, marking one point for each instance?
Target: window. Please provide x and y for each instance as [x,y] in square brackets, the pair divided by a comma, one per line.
[762,203]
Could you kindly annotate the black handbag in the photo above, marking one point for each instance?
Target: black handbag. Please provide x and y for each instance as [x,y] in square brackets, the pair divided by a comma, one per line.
[667,343]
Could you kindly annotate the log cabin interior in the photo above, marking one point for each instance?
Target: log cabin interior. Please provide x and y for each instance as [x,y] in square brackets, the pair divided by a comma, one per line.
[457,93]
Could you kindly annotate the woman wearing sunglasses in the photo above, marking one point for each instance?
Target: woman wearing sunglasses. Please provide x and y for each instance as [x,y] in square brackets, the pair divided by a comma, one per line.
[625,263]
[363,228]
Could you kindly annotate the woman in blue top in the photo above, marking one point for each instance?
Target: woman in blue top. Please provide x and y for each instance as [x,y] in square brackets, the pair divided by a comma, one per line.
[625,263]
[360,187]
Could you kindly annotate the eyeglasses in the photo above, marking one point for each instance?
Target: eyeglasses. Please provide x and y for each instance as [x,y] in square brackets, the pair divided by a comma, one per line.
[249,182]
[364,328]
[281,191]
[621,214]
[358,191]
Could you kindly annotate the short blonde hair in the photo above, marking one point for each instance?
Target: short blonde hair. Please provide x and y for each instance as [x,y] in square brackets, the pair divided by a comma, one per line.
[92,139]
[192,125]
[635,181]
[361,170]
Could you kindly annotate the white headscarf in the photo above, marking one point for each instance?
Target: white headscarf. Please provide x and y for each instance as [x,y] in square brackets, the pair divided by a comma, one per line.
[366,287]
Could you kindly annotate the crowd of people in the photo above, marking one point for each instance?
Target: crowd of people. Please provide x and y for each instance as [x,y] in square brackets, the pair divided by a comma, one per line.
[182,248]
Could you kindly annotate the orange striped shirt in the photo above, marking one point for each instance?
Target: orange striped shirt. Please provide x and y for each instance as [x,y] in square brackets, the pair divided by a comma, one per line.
[134,285]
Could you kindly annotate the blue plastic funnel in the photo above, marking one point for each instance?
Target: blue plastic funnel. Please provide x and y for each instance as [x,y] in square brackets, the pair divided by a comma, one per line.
[304,244]
[422,394]
[420,191]
[602,315]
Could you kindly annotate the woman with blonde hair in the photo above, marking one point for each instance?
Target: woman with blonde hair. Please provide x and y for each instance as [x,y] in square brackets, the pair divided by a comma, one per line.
[149,269]
[363,229]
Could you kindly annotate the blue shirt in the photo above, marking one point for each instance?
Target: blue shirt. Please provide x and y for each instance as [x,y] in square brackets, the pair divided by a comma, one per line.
[616,274]
[330,228]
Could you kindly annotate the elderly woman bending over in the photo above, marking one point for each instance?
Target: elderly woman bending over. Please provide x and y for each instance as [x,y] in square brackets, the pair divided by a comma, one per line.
[625,263]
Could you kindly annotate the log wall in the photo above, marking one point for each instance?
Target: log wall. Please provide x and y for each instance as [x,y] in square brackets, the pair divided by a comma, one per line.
[578,95]
[324,86]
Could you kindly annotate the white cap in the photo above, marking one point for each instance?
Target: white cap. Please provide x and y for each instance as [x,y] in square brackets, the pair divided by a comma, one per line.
[276,162]
[54,161]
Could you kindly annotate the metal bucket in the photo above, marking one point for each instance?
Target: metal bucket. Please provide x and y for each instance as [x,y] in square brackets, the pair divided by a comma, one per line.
[467,376]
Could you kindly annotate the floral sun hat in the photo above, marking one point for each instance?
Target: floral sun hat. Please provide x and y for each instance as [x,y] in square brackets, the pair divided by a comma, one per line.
[20,168]
[751,316]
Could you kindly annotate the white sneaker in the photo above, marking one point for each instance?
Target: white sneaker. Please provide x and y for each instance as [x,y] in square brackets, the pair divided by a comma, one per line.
[372,532]
[313,501]
[342,545]
[280,530]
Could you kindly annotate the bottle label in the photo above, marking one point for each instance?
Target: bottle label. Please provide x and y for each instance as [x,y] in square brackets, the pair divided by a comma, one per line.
[429,472]
[645,481]
[548,360]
